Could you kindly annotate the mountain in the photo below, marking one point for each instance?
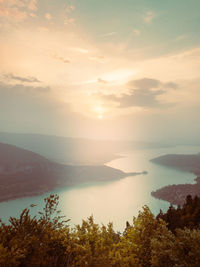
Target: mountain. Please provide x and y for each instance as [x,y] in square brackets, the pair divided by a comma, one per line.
[25,173]
[73,151]
[64,149]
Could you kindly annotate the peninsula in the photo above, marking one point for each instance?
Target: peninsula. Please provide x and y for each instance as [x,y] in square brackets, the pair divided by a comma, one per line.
[24,173]
[176,194]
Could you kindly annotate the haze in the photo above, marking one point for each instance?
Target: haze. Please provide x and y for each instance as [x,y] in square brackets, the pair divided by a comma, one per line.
[101,69]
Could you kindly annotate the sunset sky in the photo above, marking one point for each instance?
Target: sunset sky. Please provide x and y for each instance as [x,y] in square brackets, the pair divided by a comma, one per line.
[105,69]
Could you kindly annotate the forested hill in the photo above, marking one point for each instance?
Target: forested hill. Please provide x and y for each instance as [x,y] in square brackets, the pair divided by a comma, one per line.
[12,156]
[168,240]
[176,194]
[24,173]
[190,163]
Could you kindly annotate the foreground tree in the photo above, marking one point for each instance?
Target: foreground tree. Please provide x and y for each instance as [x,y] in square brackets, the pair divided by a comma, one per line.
[49,241]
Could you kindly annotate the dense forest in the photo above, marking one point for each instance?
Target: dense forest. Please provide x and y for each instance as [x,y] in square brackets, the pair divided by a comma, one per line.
[170,239]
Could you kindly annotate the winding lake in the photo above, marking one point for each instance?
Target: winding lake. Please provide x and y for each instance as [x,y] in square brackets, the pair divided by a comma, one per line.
[116,201]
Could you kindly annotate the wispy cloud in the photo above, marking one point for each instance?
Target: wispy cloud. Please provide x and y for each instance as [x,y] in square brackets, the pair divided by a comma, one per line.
[108,34]
[100,59]
[17,10]
[79,50]
[48,16]
[20,88]
[181,37]
[149,16]
[32,5]
[62,59]
[171,85]
[102,81]
[68,21]
[137,32]
[11,77]
[70,8]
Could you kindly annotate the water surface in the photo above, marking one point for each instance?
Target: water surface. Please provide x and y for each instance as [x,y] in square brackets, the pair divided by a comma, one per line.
[116,201]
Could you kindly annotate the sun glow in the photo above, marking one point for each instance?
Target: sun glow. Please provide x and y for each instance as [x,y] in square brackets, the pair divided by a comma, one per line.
[119,76]
[99,110]
[100,116]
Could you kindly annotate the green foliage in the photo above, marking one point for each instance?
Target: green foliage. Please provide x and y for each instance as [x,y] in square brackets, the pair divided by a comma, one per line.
[182,249]
[186,216]
[137,239]
[27,241]
[49,241]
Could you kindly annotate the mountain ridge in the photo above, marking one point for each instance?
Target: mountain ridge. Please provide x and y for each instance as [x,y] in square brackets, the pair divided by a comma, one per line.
[25,173]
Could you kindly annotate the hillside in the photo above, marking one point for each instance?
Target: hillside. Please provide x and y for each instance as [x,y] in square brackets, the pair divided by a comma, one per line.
[64,149]
[190,163]
[176,194]
[25,173]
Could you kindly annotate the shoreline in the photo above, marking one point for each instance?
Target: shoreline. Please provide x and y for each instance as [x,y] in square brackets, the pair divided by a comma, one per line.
[176,194]
[70,184]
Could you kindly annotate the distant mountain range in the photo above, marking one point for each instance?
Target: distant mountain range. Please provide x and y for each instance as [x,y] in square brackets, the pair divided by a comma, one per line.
[176,194]
[25,173]
[73,150]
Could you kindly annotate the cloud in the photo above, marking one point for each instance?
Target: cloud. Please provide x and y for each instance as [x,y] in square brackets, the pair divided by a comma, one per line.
[181,37]
[20,88]
[137,98]
[32,5]
[62,59]
[42,89]
[69,21]
[149,16]
[48,16]
[100,59]
[79,50]
[29,79]
[33,15]
[70,8]
[171,85]
[30,109]
[108,34]
[102,81]
[137,32]
[144,83]
[17,10]
[142,93]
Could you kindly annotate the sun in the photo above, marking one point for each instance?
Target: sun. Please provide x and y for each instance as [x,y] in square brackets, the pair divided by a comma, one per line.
[99,110]
[100,116]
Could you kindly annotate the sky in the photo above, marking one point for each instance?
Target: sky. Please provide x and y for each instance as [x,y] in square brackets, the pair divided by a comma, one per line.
[106,69]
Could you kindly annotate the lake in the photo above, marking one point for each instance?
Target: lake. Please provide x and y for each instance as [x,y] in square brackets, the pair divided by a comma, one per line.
[116,201]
